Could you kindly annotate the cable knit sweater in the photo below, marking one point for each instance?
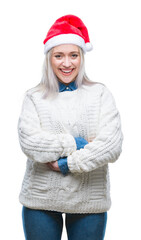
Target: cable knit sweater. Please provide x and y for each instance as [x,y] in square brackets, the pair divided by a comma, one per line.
[47,128]
[80,142]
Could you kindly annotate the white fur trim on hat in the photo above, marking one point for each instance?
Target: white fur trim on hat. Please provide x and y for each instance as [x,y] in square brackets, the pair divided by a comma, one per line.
[66,39]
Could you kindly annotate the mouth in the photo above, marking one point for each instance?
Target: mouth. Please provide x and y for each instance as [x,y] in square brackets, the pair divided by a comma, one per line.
[66,72]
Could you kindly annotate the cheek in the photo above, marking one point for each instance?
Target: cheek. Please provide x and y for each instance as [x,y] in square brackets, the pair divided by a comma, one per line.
[54,65]
[78,66]
[78,63]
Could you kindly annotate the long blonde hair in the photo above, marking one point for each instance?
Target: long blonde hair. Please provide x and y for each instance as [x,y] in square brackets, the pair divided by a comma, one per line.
[49,85]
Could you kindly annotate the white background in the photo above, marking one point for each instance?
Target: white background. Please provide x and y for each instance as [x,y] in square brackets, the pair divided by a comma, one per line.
[115,32]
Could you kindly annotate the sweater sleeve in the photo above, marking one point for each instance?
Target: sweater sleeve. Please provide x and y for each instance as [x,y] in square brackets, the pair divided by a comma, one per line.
[39,144]
[107,145]
[62,162]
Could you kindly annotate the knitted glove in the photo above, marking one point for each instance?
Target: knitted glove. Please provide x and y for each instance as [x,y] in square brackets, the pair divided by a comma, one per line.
[62,162]
[80,142]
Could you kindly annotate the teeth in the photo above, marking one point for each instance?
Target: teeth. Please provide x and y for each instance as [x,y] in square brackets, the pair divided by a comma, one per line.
[66,71]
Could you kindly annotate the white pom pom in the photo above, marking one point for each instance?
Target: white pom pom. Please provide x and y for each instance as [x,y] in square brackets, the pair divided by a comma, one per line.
[89,46]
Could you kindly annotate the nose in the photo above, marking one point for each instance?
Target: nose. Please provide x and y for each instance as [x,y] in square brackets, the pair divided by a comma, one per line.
[66,62]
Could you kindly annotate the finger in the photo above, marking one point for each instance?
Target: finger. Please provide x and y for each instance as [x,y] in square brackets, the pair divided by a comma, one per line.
[50,166]
[54,166]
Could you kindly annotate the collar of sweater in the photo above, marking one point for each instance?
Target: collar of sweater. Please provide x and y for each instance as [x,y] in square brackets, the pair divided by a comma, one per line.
[70,87]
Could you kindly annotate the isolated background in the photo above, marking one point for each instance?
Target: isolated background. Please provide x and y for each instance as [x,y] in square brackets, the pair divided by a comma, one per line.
[115,32]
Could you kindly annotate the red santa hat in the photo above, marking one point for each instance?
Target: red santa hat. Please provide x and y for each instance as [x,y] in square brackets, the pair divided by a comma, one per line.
[68,29]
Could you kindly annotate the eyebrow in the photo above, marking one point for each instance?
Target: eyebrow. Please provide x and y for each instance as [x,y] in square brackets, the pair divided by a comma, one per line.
[62,52]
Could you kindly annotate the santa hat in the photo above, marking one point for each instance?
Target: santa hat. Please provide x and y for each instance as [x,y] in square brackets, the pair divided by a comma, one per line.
[68,29]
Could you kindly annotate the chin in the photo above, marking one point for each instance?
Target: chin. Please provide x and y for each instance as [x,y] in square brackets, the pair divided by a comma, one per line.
[66,81]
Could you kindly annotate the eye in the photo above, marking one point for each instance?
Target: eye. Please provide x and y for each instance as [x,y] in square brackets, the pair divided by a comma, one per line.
[58,56]
[74,55]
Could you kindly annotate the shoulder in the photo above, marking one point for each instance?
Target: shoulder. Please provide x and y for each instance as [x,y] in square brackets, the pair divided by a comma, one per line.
[96,87]
[100,91]
[33,94]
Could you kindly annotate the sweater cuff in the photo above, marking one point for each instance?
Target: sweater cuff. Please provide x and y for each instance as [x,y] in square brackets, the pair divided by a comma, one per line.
[62,163]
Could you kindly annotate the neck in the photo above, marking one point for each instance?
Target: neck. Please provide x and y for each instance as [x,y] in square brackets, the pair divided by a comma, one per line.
[65,83]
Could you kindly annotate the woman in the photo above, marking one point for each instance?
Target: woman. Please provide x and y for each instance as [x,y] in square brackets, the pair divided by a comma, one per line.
[69,129]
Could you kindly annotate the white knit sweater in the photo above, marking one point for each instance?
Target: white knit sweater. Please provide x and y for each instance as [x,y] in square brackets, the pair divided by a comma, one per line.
[46,131]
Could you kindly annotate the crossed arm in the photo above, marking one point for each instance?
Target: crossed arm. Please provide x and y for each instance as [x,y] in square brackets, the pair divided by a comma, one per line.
[44,147]
[61,163]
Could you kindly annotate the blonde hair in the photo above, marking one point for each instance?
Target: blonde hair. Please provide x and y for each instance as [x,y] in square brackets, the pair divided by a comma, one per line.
[49,85]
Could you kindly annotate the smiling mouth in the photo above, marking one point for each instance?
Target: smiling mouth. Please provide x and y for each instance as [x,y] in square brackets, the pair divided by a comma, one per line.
[66,72]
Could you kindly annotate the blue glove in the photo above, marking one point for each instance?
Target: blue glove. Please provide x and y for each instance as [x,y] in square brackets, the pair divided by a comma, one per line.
[62,162]
[80,142]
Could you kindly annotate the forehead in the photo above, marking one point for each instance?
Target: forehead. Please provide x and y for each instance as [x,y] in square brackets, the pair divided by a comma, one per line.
[66,48]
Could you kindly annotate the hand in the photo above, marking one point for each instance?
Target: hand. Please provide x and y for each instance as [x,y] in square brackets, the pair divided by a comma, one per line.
[54,166]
